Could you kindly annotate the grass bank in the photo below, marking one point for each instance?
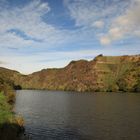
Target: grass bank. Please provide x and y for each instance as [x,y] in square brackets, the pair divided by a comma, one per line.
[6,115]
[11,126]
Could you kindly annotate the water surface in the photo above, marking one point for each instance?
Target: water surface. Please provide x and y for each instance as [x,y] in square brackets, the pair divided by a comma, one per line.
[57,115]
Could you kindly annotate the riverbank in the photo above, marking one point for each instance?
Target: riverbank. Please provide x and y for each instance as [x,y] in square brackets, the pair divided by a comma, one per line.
[11,126]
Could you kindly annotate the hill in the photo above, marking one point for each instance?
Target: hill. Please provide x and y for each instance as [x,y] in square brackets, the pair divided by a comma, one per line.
[104,73]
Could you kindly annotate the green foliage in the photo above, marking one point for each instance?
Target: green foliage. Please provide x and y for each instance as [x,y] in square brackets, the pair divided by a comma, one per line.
[6,114]
[130,80]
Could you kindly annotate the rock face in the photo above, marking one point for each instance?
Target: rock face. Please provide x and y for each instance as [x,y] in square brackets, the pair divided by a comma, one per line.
[104,73]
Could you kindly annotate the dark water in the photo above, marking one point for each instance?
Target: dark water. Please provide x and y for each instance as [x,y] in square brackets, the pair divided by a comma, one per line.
[56,115]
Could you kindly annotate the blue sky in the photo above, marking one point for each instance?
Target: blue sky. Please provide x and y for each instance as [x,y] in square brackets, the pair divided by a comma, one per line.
[38,34]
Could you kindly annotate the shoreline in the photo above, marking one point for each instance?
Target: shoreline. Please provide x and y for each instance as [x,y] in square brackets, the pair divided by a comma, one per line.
[11,125]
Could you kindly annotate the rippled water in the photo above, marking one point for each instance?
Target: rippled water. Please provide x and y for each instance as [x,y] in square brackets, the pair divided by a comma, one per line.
[57,115]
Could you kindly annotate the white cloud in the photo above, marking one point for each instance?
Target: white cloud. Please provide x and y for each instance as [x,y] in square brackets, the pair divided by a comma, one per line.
[27,19]
[127,24]
[119,19]
[98,24]
[80,11]
[89,12]
[12,40]
[105,40]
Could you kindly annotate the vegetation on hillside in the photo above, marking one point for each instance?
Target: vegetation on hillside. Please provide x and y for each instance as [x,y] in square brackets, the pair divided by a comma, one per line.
[104,73]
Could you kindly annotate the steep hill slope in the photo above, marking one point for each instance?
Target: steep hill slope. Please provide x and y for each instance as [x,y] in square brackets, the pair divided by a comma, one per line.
[104,73]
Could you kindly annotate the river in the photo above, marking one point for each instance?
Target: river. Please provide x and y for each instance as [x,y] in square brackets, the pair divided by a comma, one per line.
[58,115]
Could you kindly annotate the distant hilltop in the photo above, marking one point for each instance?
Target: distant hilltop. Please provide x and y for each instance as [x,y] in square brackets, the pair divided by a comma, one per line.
[102,74]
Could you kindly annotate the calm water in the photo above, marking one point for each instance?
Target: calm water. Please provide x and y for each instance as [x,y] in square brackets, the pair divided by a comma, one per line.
[56,115]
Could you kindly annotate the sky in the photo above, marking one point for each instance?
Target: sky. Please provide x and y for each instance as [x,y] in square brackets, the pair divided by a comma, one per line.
[38,34]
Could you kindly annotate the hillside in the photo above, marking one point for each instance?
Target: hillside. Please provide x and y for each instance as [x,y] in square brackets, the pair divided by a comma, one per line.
[104,73]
